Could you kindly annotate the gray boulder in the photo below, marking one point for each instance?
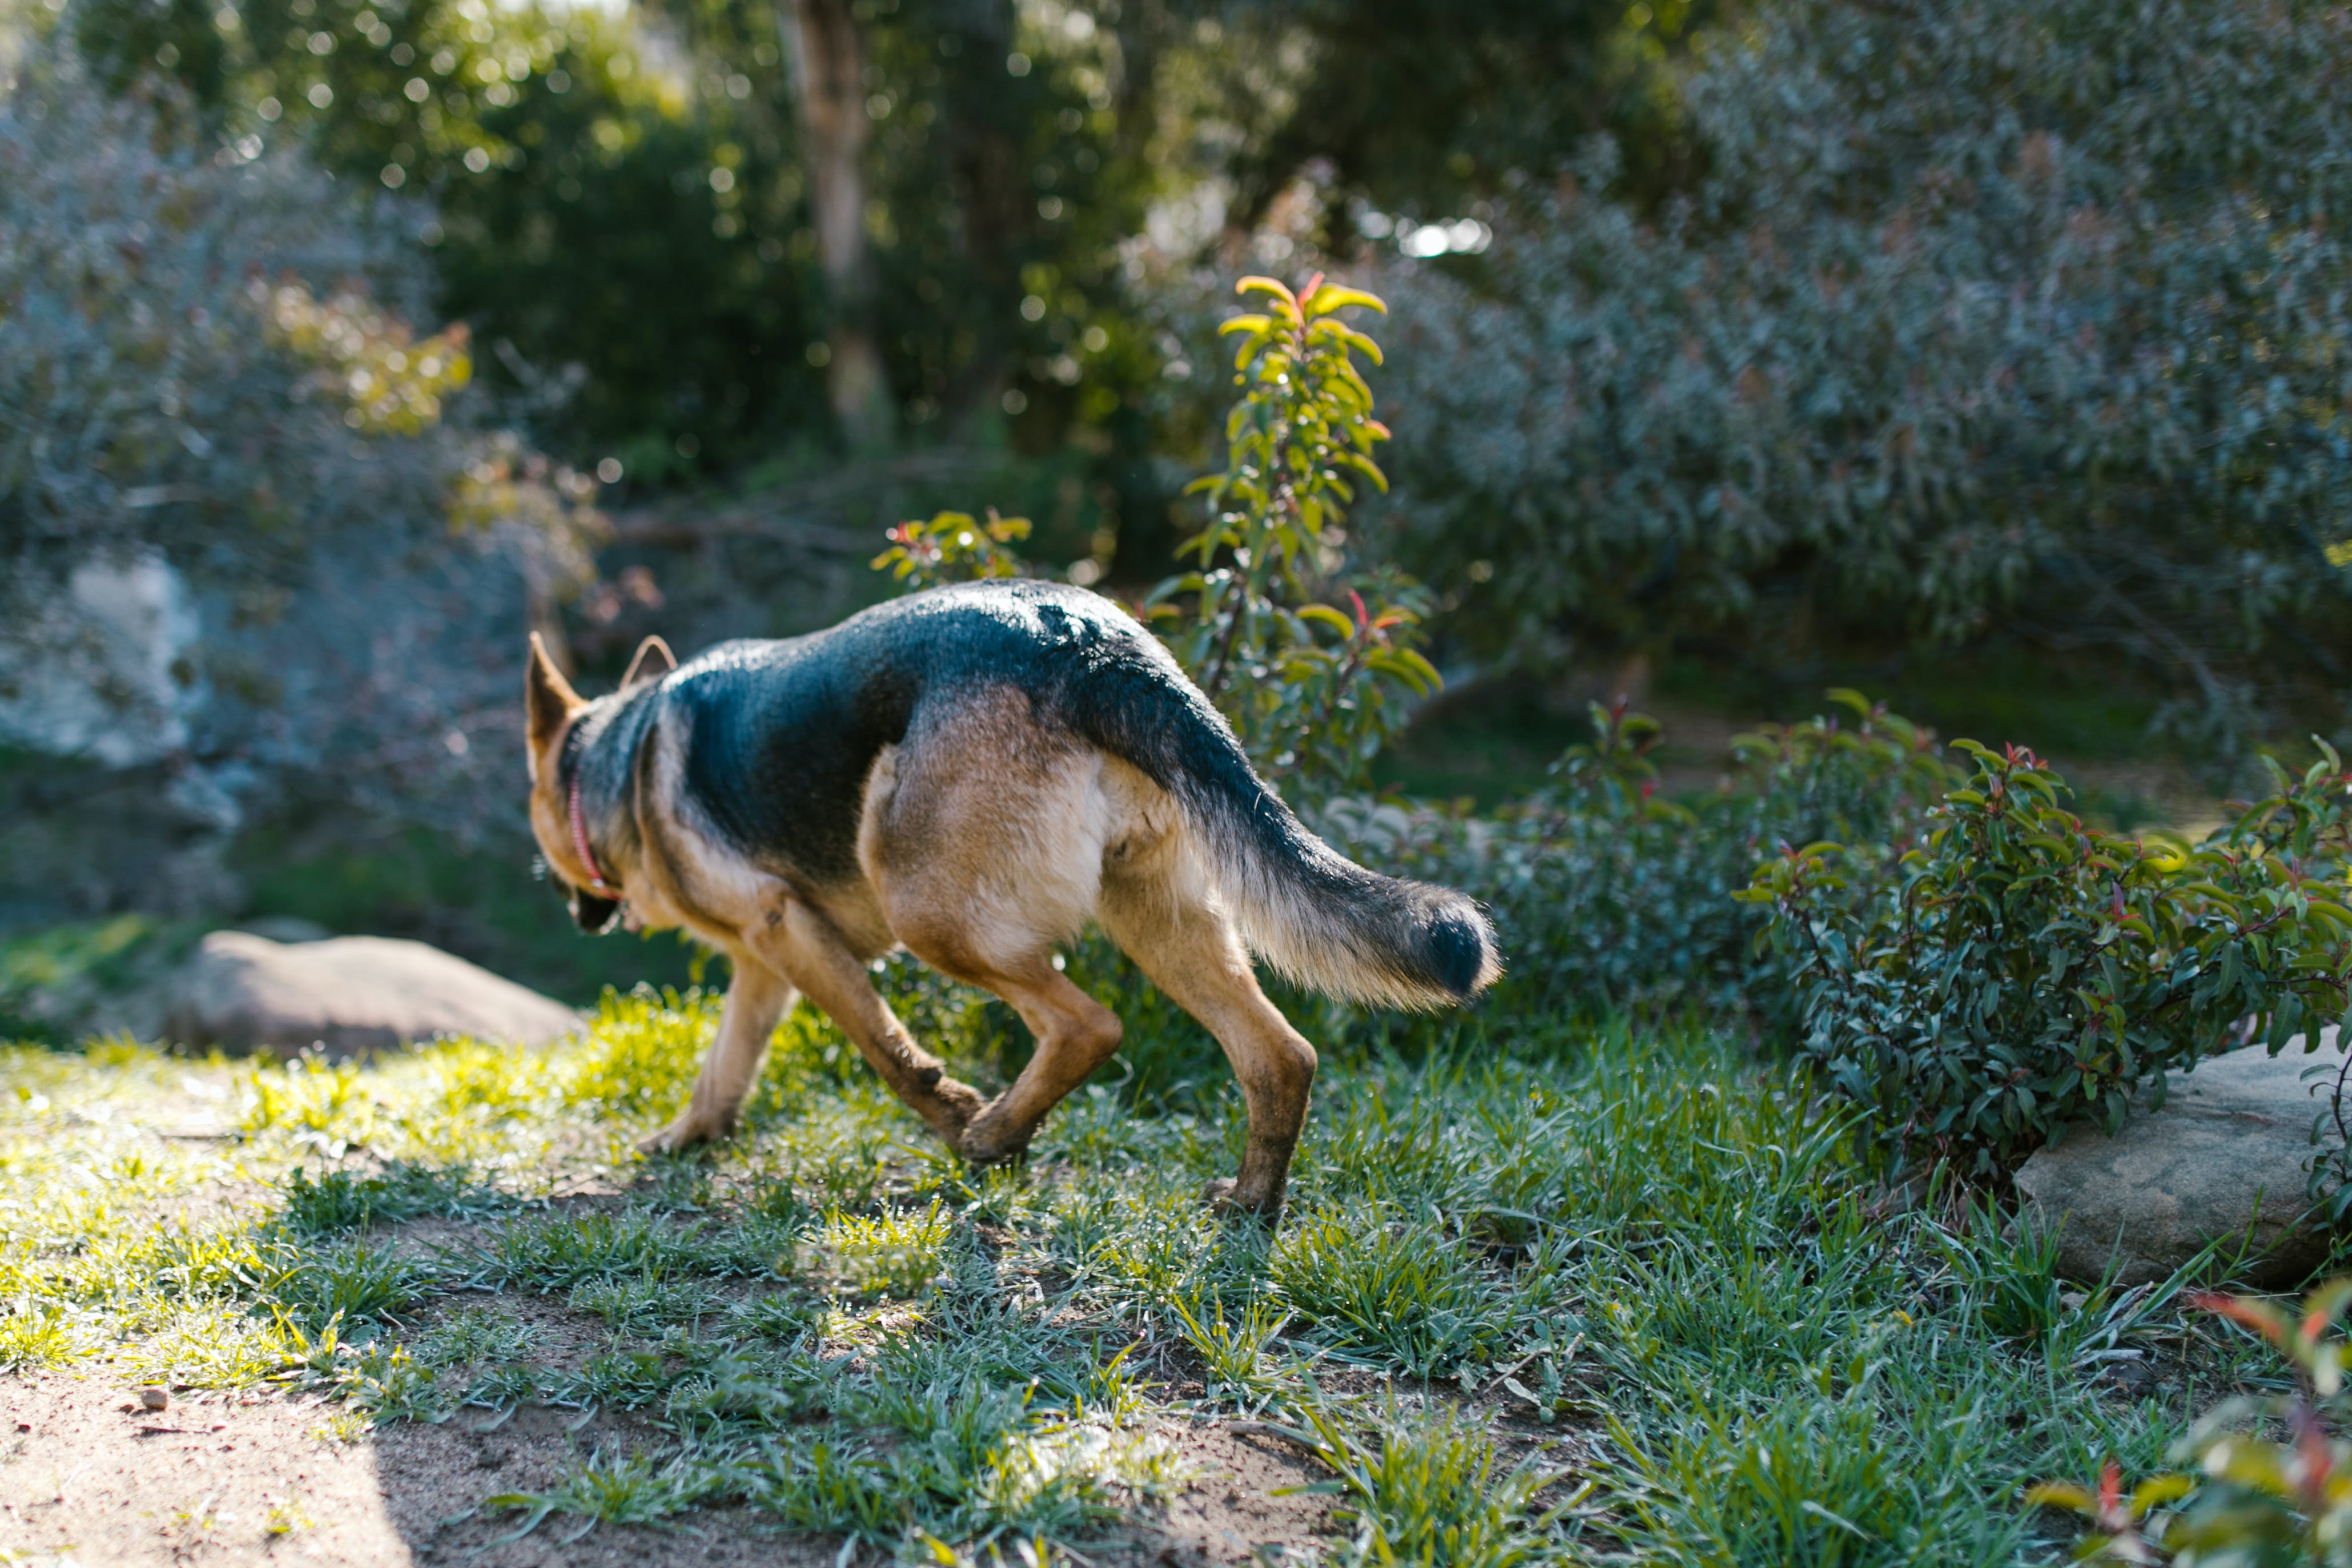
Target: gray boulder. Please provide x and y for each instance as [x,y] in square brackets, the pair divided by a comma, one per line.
[2223,1159]
[347,994]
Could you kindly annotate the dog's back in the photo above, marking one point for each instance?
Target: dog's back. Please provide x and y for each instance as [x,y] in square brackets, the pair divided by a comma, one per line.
[781,737]
[779,740]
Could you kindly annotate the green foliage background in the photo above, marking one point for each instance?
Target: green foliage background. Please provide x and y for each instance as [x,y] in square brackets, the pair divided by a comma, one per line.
[2005,318]
[1770,337]
[1813,329]
[1015,153]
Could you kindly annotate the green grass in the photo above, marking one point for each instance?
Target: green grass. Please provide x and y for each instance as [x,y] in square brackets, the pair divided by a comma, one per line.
[1625,1298]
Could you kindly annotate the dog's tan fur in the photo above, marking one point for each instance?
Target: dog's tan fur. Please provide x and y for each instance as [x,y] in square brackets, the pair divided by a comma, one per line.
[986,842]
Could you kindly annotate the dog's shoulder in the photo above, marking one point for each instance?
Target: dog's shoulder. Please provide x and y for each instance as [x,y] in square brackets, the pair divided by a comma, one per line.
[887,654]
[777,738]
[1020,631]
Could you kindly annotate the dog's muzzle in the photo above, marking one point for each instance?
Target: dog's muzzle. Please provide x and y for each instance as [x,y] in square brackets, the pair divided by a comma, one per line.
[593,914]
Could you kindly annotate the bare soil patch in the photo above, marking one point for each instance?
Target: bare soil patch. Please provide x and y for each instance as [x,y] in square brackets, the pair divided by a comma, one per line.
[88,1476]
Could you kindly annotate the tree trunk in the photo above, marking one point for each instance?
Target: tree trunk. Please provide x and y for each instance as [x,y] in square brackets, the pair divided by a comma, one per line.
[999,207]
[828,64]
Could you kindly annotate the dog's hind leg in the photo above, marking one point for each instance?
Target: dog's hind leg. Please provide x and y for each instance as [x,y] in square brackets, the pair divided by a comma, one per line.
[1152,907]
[755,1000]
[1075,1034]
[803,946]
[983,840]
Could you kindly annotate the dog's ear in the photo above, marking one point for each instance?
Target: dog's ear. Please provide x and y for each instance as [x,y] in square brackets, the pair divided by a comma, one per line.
[654,660]
[549,700]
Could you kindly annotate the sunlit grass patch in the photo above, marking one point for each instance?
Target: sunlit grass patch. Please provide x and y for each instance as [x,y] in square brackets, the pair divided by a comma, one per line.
[36,1335]
[215,1344]
[452,1103]
[309,1093]
[1401,1289]
[1641,1252]
[854,1153]
[1427,1487]
[1146,1240]
[896,1255]
[1237,1359]
[968,1460]
[639,1059]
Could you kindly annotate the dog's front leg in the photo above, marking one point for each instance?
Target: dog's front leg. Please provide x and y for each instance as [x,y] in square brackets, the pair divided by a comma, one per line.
[804,944]
[755,1000]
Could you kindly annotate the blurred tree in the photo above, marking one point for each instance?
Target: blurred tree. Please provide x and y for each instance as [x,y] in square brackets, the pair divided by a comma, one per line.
[2029,313]
[622,228]
[1424,106]
[701,235]
[893,188]
[829,65]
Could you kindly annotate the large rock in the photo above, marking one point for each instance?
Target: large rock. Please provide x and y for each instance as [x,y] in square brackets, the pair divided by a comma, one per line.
[2222,1160]
[347,995]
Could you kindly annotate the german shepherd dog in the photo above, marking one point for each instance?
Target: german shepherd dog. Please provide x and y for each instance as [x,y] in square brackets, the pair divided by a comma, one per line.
[971,773]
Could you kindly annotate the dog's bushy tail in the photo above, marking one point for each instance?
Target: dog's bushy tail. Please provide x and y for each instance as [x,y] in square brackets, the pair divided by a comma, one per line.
[1315,915]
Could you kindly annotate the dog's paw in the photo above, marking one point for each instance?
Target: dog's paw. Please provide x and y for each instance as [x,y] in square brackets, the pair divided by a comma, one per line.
[950,1109]
[987,1144]
[681,1134]
[1218,1197]
[961,1103]
[990,1152]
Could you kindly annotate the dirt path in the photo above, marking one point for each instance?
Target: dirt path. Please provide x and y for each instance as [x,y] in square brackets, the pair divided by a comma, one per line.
[88,1477]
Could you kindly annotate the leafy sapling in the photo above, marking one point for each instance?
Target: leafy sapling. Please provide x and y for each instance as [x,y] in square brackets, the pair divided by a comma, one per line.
[1314,690]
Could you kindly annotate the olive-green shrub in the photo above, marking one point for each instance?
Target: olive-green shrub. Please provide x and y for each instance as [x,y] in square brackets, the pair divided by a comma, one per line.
[1313,691]
[2019,970]
[2022,311]
[1608,895]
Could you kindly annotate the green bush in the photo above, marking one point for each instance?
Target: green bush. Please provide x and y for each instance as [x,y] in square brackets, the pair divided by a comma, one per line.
[2021,312]
[208,390]
[2019,970]
[953,547]
[1608,895]
[517,141]
[1312,690]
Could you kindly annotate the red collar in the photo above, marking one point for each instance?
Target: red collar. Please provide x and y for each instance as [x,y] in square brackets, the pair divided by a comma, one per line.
[596,878]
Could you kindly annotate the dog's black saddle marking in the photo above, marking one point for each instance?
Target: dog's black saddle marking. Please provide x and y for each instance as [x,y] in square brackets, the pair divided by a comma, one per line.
[780,736]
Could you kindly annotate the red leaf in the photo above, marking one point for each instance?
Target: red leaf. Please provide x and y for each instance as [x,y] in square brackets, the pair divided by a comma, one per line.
[2250,1314]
